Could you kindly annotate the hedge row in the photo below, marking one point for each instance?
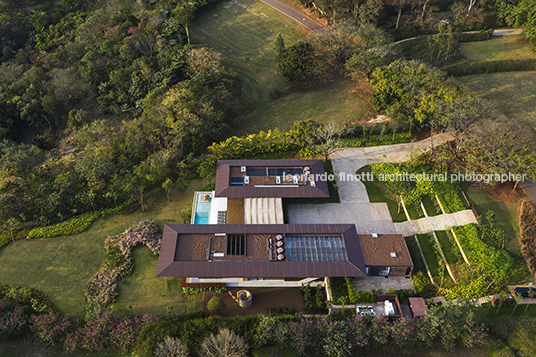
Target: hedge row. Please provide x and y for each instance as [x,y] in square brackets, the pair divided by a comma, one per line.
[469,68]
[34,299]
[527,230]
[76,224]
[191,291]
[475,37]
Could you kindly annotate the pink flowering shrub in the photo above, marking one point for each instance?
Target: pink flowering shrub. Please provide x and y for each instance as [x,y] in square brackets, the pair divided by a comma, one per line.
[13,321]
[108,332]
[53,327]
[102,287]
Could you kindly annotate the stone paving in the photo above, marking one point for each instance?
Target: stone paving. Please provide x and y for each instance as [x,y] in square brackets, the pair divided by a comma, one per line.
[436,223]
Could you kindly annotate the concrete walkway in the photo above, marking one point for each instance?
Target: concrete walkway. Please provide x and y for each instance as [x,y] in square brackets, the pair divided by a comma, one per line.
[437,223]
[297,16]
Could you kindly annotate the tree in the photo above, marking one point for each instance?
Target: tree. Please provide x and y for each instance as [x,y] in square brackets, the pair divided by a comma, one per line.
[400,4]
[11,210]
[171,347]
[216,305]
[364,11]
[203,60]
[279,46]
[225,344]
[184,14]
[326,138]
[300,63]
[167,185]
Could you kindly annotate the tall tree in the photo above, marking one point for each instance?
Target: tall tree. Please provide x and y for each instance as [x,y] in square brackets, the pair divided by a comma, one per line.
[11,210]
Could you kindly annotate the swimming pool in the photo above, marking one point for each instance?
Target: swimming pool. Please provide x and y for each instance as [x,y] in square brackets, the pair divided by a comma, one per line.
[202,207]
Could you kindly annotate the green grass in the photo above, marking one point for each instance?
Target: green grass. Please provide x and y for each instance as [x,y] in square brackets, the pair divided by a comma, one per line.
[431,206]
[418,264]
[497,48]
[505,215]
[429,254]
[143,293]
[514,93]
[375,194]
[61,267]
[415,211]
[506,310]
[447,247]
[245,32]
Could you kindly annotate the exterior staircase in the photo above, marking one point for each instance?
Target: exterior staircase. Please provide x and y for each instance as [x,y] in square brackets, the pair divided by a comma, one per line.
[263,210]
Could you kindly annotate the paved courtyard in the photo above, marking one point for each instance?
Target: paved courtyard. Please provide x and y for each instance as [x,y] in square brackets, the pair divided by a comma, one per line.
[380,282]
[367,217]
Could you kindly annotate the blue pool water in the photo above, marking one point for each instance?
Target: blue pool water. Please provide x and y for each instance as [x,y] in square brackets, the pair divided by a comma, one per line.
[202,209]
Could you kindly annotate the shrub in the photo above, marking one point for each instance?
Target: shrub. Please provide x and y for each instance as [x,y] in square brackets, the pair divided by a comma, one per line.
[527,230]
[13,321]
[171,347]
[216,305]
[102,287]
[225,344]
[52,328]
[338,288]
[423,285]
[153,334]
[74,225]
[191,291]
[470,68]
[35,300]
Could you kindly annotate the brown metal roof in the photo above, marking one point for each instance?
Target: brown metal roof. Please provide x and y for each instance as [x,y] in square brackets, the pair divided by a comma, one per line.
[224,189]
[376,251]
[168,265]
[418,306]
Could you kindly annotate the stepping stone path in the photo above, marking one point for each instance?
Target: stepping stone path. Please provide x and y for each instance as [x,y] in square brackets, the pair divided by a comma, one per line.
[436,223]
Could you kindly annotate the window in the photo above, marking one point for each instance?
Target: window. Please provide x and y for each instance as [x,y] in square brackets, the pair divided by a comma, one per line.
[236,244]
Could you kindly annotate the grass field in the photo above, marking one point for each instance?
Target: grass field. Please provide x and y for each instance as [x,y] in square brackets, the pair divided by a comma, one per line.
[245,32]
[505,215]
[431,206]
[447,247]
[418,264]
[497,48]
[143,293]
[429,254]
[514,93]
[61,267]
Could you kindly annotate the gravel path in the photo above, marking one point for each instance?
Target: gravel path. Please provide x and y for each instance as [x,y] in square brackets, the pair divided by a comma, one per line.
[436,223]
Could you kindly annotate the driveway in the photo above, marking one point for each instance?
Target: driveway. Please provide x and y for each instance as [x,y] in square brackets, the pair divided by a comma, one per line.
[355,206]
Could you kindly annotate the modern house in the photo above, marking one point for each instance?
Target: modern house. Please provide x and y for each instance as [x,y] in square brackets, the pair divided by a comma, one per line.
[238,236]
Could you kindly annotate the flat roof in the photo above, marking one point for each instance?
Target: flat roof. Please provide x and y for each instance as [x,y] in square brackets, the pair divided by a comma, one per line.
[262,186]
[418,306]
[185,251]
[386,250]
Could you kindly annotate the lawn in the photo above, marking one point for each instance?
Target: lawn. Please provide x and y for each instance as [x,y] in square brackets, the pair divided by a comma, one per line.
[447,247]
[505,215]
[61,267]
[431,206]
[429,254]
[497,48]
[143,293]
[514,93]
[506,310]
[375,194]
[245,32]
[418,264]
[415,211]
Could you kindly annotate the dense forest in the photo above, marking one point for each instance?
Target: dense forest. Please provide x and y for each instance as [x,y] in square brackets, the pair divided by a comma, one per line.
[100,100]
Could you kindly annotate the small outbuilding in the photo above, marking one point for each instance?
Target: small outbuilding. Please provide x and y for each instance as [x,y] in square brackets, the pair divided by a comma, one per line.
[417,306]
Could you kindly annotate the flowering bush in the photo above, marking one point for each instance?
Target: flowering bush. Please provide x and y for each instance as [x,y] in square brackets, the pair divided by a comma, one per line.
[102,287]
[52,327]
[108,332]
[13,321]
